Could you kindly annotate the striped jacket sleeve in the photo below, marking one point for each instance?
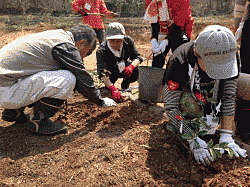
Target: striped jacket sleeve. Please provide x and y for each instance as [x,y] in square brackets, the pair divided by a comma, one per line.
[229,97]
[172,101]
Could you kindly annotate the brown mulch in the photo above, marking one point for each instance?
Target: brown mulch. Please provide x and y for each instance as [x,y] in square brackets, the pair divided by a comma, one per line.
[124,145]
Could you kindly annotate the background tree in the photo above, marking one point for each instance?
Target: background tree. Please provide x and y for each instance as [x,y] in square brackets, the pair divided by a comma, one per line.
[126,8]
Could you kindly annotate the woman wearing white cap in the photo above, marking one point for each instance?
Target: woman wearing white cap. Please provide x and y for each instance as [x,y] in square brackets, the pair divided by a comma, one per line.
[208,69]
[117,57]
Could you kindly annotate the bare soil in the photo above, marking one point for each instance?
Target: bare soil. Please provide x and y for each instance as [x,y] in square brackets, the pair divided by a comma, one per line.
[124,145]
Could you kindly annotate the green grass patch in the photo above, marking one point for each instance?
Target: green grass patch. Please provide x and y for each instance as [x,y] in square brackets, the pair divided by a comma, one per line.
[28,22]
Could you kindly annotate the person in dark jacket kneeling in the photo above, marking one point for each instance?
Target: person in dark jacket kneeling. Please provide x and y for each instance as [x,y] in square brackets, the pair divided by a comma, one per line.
[117,57]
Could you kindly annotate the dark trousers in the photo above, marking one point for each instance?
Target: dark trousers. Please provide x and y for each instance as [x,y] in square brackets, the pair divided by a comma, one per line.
[175,40]
[114,76]
[100,35]
[242,119]
[245,48]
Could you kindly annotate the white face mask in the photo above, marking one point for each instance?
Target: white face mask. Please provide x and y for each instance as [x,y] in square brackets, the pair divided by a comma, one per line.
[117,53]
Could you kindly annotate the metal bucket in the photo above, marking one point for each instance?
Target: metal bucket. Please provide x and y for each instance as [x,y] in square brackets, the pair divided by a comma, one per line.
[150,84]
[243,87]
[243,107]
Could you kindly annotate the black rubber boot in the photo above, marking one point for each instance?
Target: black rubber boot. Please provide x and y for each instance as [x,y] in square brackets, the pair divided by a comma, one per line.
[15,115]
[42,111]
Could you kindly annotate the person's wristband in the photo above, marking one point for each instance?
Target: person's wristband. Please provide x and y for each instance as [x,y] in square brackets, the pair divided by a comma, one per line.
[226,131]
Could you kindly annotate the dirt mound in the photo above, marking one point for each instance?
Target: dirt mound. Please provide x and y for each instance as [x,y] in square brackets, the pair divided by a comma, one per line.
[125,145]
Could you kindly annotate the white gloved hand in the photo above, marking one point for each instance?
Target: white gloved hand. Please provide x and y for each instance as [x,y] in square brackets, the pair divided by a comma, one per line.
[163,45]
[212,124]
[200,151]
[155,47]
[225,137]
[108,102]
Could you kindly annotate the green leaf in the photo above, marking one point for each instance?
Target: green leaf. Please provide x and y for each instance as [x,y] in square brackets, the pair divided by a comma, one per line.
[202,133]
[210,143]
[200,103]
[200,115]
[218,153]
[187,136]
[230,152]
[194,126]
[223,145]
[184,113]
[213,153]
[204,92]
[218,147]
[171,128]
[211,100]
[211,91]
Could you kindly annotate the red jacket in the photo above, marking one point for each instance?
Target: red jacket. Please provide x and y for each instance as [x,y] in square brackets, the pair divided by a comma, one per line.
[180,13]
[91,6]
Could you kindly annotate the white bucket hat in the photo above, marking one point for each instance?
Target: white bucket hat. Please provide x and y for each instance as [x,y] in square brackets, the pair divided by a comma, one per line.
[216,45]
[115,30]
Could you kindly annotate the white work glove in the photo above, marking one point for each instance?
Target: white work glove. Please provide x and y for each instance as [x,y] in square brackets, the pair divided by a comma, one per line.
[163,45]
[211,124]
[155,47]
[108,102]
[225,137]
[201,153]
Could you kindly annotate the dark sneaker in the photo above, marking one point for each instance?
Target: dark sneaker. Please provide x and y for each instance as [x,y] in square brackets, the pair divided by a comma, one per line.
[48,127]
[15,115]
[125,84]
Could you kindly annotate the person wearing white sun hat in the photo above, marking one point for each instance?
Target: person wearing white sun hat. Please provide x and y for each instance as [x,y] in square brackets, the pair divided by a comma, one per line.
[209,71]
[117,57]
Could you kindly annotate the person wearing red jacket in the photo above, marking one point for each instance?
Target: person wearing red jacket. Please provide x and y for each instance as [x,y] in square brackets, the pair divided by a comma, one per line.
[92,13]
[171,25]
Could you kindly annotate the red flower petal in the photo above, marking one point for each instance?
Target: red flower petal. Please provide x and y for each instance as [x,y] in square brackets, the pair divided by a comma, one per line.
[179,117]
[200,97]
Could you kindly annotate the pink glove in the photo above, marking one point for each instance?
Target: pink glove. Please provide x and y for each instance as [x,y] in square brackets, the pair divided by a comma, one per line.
[128,70]
[116,95]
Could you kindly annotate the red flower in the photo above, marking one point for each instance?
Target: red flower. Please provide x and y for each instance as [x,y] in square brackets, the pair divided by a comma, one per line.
[200,97]
[179,117]
[173,86]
